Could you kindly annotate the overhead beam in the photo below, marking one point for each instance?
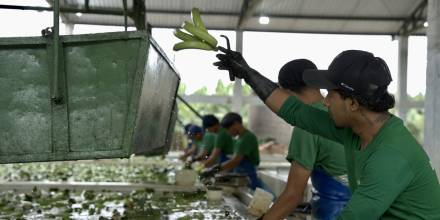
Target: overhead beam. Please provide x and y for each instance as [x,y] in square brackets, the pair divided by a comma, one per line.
[213,13]
[248,9]
[66,9]
[287,16]
[415,21]
[293,31]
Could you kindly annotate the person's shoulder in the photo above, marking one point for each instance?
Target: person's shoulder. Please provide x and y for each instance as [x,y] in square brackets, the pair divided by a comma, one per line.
[389,156]
[319,105]
[250,133]
[210,134]
[248,136]
[222,132]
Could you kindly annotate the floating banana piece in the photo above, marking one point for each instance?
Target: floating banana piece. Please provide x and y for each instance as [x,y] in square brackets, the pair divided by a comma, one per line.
[197,20]
[192,45]
[184,36]
[201,34]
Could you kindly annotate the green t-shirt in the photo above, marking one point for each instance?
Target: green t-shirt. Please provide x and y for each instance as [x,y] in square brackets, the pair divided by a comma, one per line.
[393,175]
[247,145]
[199,145]
[208,141]
[224,142]
[312,151]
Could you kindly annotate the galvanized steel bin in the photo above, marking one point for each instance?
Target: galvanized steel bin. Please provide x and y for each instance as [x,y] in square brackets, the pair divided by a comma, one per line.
[117,94]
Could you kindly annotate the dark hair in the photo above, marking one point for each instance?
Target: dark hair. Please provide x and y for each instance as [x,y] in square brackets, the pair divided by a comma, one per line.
[380,101]
[209,121]
[290,75]
[230,118]
[186,127]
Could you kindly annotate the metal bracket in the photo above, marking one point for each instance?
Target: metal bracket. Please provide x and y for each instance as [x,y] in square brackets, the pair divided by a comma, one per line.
[47,32]
[415,21]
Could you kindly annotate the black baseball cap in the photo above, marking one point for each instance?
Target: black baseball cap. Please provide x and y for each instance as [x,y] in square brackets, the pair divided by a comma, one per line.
[290,75]
[356,72]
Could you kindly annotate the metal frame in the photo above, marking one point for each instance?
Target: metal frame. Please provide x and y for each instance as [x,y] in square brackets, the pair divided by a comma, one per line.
[416,20]
[411,25]
[248,8]
[186,12]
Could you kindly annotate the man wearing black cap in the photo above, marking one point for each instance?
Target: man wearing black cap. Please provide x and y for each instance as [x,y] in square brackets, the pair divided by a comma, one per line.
[311,156]
[246,156]
[389,172]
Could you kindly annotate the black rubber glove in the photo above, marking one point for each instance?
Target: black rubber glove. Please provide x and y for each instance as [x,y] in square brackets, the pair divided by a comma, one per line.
[235,63]
[209,172]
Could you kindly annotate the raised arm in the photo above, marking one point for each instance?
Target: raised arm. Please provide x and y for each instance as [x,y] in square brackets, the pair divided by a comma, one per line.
[292,110]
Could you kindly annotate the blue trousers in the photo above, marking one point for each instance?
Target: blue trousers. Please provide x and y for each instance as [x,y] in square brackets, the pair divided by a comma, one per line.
[329,196]
[247,167]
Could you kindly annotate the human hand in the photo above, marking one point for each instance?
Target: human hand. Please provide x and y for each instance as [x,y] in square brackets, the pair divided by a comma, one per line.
[232,61]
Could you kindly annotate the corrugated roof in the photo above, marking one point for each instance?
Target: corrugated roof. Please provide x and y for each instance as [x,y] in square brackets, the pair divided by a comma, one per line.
[308,16]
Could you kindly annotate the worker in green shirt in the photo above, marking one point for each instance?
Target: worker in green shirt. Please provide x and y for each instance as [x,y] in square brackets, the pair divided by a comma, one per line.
[246,155]
[195,134]
[389,172]
[210,125]
[223,144]
[311,156]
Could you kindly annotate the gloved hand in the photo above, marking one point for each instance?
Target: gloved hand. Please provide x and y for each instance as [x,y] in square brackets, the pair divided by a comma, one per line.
[233,62]
[211,171]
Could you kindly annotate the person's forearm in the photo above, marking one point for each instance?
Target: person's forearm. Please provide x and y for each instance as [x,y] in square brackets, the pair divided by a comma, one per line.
[229,165]
[276,100]
[262,86]
[190,152]
[283,206]
[210,161]
[308,118]
[212,158]
[201,156]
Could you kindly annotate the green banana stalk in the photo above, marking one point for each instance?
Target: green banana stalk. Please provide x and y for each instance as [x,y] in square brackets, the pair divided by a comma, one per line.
[192,45]
[201,34]
[184,36]
[197,20]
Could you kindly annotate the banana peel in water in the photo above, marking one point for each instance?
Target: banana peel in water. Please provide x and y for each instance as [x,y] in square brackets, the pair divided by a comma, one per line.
[196,35]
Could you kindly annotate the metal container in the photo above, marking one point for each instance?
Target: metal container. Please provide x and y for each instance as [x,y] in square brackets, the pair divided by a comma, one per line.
[111,95]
